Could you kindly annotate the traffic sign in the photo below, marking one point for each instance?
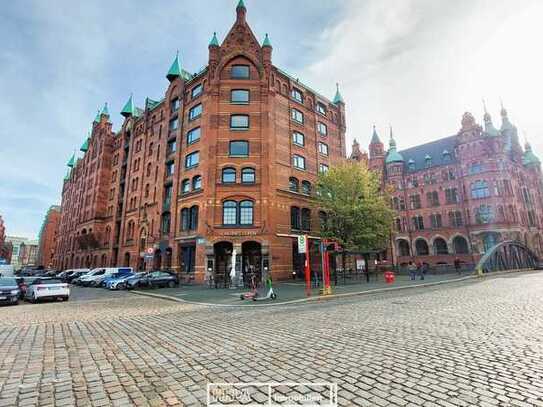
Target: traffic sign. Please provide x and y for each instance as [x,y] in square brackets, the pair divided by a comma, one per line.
[302,243]
[150,250]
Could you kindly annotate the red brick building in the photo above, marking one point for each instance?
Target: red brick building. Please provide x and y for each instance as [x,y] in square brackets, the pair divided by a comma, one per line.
[224,163]
[48,237]
[460,195]
[5,248]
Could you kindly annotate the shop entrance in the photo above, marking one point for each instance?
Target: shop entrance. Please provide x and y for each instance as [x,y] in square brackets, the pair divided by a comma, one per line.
[223,263]
[187,258]
[251,262]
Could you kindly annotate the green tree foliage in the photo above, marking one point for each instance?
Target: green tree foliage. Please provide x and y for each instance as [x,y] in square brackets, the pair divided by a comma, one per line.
[358,213]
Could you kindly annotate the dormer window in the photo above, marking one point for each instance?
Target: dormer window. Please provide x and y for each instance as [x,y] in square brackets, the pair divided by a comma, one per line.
[321,108]
[411,165]
[446,155]
[428,161]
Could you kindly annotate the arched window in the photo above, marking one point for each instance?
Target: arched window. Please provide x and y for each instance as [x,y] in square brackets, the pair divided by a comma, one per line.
[306,187]
[185,186]
[293,184]
[193,218]
[422,247]
[149,168]
[306,219]
[295,218]
[248,176]
[229,213]
[197,182]
[228,175]
[185,221]
[479,189]
[107,236]
[484,214]
[151,148]
[147,190]
[460,245]
[403,248]
[440,246]
[246,212]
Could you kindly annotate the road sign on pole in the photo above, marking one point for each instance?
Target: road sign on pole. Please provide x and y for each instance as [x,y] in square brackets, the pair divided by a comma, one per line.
[302,244]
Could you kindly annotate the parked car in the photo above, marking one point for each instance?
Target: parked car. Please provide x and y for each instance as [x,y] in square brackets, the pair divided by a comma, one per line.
[47,288]
[7,270]
[85,279]
[157,279]
[96,280]
[76,274]
[9,291]
[120,272]
[121,283]
[134,282]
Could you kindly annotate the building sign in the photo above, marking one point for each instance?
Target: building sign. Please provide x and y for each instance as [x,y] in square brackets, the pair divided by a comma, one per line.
[302,243]
[200,240]
[238,233]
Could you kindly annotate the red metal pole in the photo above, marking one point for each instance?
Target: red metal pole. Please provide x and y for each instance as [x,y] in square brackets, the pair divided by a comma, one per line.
[307,271]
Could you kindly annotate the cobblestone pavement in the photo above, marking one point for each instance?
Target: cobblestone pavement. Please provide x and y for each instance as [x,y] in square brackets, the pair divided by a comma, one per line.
[467,344]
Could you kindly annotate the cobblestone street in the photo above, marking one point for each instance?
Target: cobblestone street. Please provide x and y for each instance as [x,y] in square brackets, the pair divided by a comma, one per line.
[465,344]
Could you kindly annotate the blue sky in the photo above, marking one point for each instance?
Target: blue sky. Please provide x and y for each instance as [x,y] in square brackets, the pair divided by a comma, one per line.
[415,64]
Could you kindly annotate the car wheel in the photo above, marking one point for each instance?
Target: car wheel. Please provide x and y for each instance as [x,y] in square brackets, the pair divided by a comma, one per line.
[121,286]
[171,284]
[273,296]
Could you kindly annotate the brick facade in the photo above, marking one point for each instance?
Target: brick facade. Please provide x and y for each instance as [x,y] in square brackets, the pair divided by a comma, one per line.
[209,169]
[460,195]
[48,237]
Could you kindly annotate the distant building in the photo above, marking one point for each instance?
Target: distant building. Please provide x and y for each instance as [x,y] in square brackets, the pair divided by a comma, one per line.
[28,253]
[48,237]
[460,195]
[15,242]
[3,246]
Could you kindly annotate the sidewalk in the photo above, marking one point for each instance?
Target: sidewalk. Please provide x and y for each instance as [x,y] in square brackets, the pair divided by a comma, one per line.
[291,291]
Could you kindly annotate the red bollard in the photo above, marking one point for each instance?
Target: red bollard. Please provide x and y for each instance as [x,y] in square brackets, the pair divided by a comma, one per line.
[389,277]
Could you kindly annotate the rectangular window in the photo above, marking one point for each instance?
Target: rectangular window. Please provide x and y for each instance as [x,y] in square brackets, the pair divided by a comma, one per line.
[415,201]
[239,148]
[323,148]
[239,122]
[298,138]
[192,159]
[174,124]
[170,168]
[239,96]
[436,221]
[175,105]
[323,168]
[193,135]
[322,129]
[298,161]
[171,147]
[240,72]
[297,95]
[195,112]
[297,116]
[196,91]
[321,108]
[451,195]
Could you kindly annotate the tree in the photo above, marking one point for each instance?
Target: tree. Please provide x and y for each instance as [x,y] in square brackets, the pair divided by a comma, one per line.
[358,215]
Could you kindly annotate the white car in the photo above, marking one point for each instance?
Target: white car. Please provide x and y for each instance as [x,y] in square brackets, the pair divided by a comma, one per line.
[96,276]
[47,288]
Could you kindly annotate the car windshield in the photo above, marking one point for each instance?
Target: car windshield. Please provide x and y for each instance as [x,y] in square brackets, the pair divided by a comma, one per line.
[48,281]
[5,282]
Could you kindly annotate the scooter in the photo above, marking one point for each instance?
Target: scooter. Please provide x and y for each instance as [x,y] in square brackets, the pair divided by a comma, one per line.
[270,294]
[255,295]
[251,295]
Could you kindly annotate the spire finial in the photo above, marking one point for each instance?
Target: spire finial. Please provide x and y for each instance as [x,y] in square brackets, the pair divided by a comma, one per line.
[175,68]
[338,98]
[214,41]
[266,42]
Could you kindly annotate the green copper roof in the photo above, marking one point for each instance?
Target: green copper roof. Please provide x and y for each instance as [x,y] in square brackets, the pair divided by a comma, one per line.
[129,108]
[393,156]
[85,146]
[338,98]
[105,110]
[241,4]
[150,104]
[529,157]
[71,162]
[175,69]
[67,176]
[97,118]
[267,42]
[490,130]
[214,41]
[375,137]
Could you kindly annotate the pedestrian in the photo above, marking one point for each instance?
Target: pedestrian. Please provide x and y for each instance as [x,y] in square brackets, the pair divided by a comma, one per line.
[457,265]
[420,270]
[412,270]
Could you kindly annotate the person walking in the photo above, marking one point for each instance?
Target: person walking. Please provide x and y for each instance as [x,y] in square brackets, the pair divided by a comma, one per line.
[420,270]
[412,270]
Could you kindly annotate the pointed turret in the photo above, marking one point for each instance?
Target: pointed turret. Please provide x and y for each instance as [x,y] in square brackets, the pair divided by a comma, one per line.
[393,156]
[375,137]
[241,11]
[85,147]
[490,130]
[97,117]
[105,110]
[214,41]
[338,98]
[71,162]
[529,157]
[376,148]
[129,109]
[267,42]
[507,126]
[175,69]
